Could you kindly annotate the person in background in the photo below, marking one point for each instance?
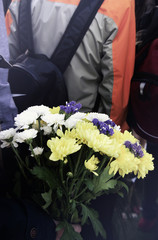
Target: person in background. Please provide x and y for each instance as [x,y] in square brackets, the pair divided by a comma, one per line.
[142,7]
[18,220]
[104,61]
[144,20]
[102,66]
[8,109]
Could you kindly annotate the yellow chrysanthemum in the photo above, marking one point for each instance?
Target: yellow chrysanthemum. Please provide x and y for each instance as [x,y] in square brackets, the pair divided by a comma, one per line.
[117,136]
[91,164]
[62,147]
[55,110]
[127,136]
[146,164]
[90,135]
[67,134]
[85,130]
[123,137]
[125,163]
[103,144]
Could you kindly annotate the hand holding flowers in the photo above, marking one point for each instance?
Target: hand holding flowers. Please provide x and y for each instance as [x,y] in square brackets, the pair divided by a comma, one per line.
[67,158]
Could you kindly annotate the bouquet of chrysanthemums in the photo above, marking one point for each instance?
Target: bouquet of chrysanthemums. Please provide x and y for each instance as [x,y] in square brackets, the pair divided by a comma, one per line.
[67,158]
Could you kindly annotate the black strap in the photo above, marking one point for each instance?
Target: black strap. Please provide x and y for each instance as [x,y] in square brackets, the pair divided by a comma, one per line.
[76,29]
[6,4]
[75,32]
[25,34]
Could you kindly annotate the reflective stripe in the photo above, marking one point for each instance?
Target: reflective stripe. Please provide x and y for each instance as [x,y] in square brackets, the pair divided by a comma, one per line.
[8,21]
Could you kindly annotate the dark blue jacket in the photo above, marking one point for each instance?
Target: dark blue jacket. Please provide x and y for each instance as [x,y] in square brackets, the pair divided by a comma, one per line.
[23,220]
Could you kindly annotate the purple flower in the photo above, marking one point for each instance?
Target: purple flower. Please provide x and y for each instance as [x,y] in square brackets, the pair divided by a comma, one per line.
[71,107]
[111,123]
[128,144]
[103,127]
[134,148]
[96,122]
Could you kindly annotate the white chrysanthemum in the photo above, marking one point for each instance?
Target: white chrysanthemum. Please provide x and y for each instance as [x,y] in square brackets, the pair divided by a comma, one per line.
[78,115]
[73,119]
[6,137]
[37,151]
[7,144]
[28,134]
[100,116]
[40,110]
[117,128]
[52,119]
[47,130]
[7,134]
[25,119]
[56,127]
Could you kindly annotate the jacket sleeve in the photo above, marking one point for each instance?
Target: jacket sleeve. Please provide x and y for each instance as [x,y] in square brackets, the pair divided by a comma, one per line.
[8,109]
[118,68]
[12,29]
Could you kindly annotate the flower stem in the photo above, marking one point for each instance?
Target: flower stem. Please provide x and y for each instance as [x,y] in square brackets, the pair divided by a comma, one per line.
[80,193]
[80,183]
[61,171]
[70,163]
[78,161]
[102,164]
[19,160]
[75,171]
[41,140]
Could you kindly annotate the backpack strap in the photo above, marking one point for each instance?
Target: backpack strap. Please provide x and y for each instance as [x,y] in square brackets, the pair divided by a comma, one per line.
[25,34]
[75,31]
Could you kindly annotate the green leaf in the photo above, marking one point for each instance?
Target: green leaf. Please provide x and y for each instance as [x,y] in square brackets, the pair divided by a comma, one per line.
[102,181]
[47,196]
[121,184]
[119,187]
[110,184]
[93,216]
[27,162]
[59,192]
[73,205]
[121,194]
[75,216]
[86,197]
[90,185]
[46,175]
